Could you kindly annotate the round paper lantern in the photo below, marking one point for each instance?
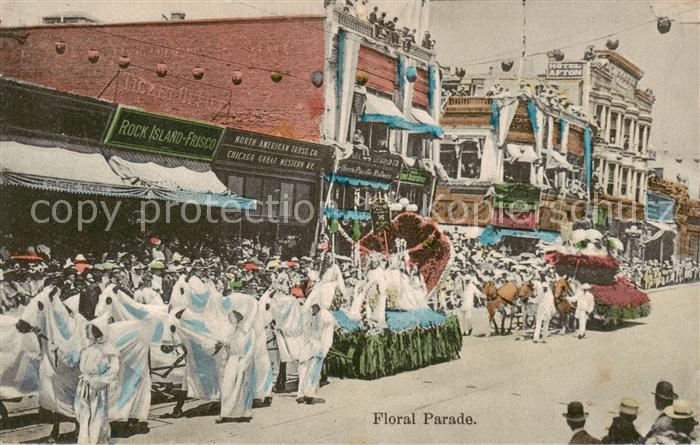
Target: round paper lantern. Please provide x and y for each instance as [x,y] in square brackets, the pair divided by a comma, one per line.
[276,76]
[317,78]
[162,69]
[612,44]
[197,72]
[361,79]
[663,25]
[93,55]
[124,61]
[411,74]
[412,208]
[557,55]
[237,77]
[507,65]
[404,202]
[60,47]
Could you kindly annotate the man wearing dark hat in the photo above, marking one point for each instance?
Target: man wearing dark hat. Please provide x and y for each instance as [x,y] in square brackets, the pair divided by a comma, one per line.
[576,419]
[663,397]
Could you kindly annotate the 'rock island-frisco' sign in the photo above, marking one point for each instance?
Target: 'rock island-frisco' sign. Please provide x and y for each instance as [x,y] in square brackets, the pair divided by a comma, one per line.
[139,130]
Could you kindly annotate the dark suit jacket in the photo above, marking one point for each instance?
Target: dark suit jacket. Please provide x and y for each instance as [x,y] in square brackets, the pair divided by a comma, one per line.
[582,437]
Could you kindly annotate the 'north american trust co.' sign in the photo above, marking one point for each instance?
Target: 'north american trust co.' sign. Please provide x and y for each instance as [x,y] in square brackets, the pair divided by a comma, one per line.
[140,130]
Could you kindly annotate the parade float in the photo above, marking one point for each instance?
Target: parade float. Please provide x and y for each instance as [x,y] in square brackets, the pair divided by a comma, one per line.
[589,257]
[388,326]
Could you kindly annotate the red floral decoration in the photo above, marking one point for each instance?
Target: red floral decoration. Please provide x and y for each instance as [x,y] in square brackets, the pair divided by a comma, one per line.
[428,247]
[621,293]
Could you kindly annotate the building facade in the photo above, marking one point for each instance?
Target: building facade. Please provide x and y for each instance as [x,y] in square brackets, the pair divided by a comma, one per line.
[335,80]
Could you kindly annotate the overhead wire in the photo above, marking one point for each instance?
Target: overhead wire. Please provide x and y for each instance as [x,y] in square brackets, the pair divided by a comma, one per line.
[499,57]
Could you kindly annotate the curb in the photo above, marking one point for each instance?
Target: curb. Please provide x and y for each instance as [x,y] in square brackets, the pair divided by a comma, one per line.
[675,286]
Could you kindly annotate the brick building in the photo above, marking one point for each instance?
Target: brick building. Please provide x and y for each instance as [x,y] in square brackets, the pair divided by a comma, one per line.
[333,79]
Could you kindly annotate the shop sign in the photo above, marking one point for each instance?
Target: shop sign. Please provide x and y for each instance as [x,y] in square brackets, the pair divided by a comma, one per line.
[158,133]
[415,176]
[380,166]
[565,70]
[257,150]
[381,214]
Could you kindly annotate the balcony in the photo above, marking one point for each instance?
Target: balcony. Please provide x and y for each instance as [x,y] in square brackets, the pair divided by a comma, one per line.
[350,22]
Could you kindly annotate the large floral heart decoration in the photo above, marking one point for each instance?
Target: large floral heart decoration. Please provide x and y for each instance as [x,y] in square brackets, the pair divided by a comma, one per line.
[427,246]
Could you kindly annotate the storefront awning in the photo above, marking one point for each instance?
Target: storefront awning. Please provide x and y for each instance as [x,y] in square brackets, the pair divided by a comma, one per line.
[62,170]
[558,162]
[179,184]
[492,235]
[425,122]
[348,214]
[383,110]
[521,153]
[357,182]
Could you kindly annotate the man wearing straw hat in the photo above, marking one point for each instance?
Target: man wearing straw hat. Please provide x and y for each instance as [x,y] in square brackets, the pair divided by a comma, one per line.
[683,424]
[622,429]
[576,419]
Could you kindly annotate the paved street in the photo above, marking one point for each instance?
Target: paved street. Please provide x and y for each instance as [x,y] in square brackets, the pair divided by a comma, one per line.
[514,390]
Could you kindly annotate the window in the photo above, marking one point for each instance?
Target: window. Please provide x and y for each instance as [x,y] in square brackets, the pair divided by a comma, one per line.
[235,184]
[611,180]
[416,146]
[470,162]
[517,172]
[302,194]
[375,135]
[286,199]
[599,116]
[448,159]
[638,190]
[613,127]
[623,182]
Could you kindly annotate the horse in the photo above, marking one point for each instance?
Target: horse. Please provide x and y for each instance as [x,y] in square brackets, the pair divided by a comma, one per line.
[565,310]
[504,300]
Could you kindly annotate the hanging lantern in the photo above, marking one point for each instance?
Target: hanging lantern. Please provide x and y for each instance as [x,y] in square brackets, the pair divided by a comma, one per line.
[197,72]
[663,25]
[93,55]
[507,65]
[612,44]
[317,78]
[556,54]
[361,79]
[276,76]
[124,61]
[237,77]
[162,69]
[60,47]
[411,74]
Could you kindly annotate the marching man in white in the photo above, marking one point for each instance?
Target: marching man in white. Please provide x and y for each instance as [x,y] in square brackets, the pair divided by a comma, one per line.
[585,303]
[466,290]
[545,310]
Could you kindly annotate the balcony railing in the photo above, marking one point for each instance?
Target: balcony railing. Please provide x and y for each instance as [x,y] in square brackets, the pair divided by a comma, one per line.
[365,28]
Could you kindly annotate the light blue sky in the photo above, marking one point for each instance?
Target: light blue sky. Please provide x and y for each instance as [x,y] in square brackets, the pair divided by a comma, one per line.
[472,31]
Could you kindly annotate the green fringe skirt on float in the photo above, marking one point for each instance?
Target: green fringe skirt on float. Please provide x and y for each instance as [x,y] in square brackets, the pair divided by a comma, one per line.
[357,354]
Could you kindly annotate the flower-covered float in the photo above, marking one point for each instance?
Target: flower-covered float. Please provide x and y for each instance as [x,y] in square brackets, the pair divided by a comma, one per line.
[589,257]
[385,325]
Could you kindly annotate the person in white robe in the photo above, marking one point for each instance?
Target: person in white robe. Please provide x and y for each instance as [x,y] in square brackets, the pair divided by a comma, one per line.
[99,365]
[545,310]
[146,294]
[238,382]
[466,290]
[318,328]
[585,304]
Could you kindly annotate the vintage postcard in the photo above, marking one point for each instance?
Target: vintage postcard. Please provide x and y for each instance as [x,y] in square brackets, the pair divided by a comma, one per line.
[350,221]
